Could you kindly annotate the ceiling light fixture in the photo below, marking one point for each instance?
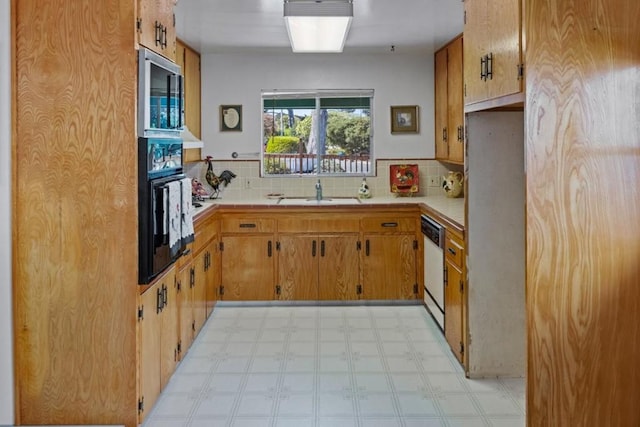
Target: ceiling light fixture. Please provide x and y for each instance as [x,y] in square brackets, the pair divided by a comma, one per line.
[318,26]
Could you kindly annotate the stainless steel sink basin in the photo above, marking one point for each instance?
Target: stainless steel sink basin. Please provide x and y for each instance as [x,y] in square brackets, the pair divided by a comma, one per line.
[307,201]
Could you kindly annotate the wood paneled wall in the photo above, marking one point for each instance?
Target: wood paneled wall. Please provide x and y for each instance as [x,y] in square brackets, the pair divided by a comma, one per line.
[583,212]
[74,212]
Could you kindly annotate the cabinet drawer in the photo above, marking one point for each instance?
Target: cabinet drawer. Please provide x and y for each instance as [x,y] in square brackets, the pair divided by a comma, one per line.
[388,224]
[454,249]
[204,232]
[337,224]
[248,225]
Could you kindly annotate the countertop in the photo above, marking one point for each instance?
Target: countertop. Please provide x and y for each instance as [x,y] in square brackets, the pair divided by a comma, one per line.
[449,208]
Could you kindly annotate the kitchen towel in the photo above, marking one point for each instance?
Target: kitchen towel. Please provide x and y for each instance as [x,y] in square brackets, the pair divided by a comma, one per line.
[174,210]
[187,233]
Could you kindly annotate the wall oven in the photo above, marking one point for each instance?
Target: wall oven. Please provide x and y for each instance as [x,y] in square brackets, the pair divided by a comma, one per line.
[160,185]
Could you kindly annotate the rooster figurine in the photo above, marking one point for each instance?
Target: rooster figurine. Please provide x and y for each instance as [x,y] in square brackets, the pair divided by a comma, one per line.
[214,180]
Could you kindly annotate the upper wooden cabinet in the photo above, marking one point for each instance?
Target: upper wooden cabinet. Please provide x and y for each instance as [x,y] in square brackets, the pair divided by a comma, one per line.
[189,62]
[493,66]
[449,114]
[156,26]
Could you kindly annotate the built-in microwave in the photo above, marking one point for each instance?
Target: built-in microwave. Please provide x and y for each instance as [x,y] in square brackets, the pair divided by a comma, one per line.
[159,95]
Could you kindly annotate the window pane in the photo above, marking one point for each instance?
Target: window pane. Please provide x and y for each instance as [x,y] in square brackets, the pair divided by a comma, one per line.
[319,135]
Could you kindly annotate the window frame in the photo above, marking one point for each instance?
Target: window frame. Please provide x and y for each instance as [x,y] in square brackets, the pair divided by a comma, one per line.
[318,95]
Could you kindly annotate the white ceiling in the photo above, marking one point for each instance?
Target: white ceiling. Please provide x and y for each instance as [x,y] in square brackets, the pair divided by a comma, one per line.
[216,26]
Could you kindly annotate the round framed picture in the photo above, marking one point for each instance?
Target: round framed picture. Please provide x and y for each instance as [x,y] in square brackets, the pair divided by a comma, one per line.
[230,118]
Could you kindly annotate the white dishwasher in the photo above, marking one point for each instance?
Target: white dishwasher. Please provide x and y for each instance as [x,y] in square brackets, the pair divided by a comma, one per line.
[433,234]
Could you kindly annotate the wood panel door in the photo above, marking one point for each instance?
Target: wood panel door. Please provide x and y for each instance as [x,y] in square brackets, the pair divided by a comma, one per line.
[185,301]
[150,332]
[298,267]
[170,328]
[248,267]
[455,102]
[453,308]
[156,26]
[505,29]
[441,106]
[338,267]
[200,266]
[583,209]
[476,45]
[389,267]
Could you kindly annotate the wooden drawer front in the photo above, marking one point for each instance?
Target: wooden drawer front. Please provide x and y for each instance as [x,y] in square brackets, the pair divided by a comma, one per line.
[248,225]
[388,224]
[337,223]
[454,249]
[204,232]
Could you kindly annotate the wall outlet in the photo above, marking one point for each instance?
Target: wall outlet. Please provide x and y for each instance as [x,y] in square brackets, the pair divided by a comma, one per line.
[434,181]
[247,184]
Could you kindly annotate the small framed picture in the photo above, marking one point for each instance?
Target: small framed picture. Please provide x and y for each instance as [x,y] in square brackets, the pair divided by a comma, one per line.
[230,118]
[404,119]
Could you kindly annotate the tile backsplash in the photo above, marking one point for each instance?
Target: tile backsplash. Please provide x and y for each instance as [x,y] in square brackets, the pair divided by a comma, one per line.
[248,184]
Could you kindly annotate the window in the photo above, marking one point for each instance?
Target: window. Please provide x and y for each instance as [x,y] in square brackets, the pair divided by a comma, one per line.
[317,133]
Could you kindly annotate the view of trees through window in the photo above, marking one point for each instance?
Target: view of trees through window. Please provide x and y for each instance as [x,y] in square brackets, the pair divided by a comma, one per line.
[317,133]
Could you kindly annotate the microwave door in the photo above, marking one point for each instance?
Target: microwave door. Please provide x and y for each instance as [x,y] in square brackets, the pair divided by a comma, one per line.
[174,101]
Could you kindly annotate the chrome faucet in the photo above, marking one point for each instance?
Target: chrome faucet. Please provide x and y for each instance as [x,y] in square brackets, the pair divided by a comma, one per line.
[318,191]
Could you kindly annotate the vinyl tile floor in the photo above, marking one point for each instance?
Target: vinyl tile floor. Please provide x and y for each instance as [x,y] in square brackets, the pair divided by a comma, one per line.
[329,366]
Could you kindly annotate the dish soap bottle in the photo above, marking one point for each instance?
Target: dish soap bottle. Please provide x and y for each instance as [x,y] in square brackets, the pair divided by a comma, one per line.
[363,191]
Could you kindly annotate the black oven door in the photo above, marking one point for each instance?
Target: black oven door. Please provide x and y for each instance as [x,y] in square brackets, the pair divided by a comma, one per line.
[154,250]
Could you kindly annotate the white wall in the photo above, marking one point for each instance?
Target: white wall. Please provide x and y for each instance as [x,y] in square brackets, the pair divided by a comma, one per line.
[397,79]
[6,336]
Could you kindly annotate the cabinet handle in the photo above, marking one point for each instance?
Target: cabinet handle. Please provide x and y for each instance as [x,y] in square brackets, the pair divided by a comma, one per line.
[452,251]
[165,295]
[269,248]
[444,134]
[389,224]
[460,133]
[489,62]
[164,37]
[247,225]
[322,248]
[158,27]
[483,65]
[313,248]
[366,247]
[187,252]
[159,300]
[192,277]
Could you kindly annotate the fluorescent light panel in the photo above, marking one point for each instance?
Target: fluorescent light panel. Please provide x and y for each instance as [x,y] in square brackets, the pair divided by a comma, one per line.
[318,26]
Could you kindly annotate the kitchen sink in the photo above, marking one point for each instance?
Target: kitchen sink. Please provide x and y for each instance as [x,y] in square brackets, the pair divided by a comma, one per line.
[309,201]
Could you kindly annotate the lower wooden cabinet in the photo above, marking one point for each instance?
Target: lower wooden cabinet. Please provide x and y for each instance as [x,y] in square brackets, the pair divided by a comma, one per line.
[390,257]
[317,266]
[247,267]
[454,303]
[158,338]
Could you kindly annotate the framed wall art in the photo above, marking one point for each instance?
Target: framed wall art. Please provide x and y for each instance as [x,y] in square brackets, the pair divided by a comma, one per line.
[404,119]
[230,118]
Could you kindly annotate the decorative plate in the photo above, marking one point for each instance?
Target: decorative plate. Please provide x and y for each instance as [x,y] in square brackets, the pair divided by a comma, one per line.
[404,179]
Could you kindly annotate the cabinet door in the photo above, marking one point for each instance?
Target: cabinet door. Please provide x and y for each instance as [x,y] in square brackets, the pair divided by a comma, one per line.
[441,113]
[453,307]
[389,267]
[191,74]
[339,267]
[150,332]
[212,280]
[200,265]
[248,268]
[170,328]
[476,45]
[157,26]
[505,28]
[298,267]
[455,102]
[185,298]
